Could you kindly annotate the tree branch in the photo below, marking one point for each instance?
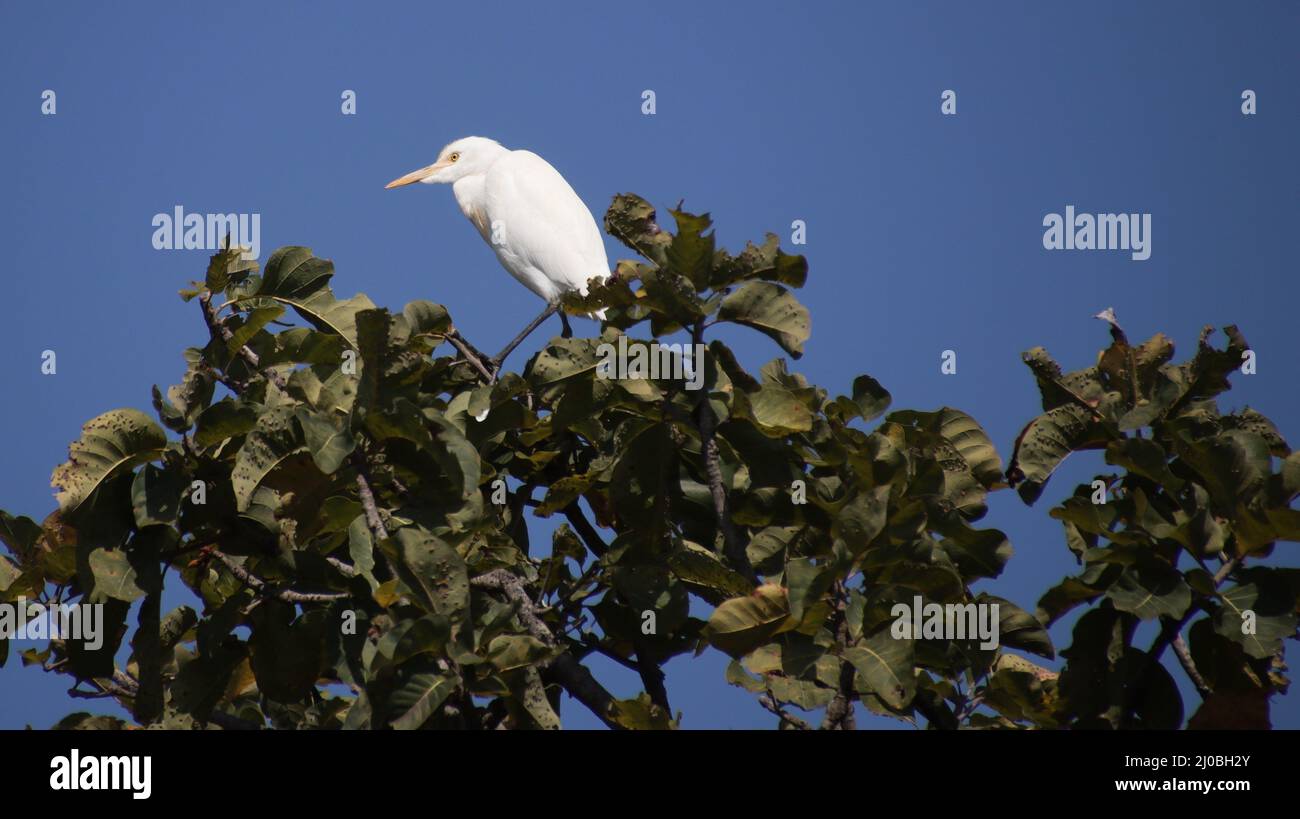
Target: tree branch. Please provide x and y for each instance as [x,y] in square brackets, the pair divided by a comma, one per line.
[564,669]
[376,524]
[707,423]
[583,687]
[1185,659]
[218,329]
[839,713]
[652,674]
[768,702]
[260,586]
[472,355]
[573,513]
[1171,633]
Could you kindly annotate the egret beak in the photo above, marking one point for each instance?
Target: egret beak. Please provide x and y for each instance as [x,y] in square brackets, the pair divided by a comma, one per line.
[416,176]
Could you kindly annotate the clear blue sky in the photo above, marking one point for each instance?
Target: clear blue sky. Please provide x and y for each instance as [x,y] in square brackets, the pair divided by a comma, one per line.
[924,231]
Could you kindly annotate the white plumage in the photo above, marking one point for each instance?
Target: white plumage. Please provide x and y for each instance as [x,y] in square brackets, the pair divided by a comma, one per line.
[539,228]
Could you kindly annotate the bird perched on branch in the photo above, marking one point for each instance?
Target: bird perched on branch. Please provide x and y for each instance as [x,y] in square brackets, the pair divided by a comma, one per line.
[540,230]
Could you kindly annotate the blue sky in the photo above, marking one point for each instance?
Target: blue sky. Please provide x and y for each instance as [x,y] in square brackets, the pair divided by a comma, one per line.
[924,231]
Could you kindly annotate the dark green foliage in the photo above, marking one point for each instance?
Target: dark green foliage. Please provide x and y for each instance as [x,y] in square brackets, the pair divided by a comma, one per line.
[350,508]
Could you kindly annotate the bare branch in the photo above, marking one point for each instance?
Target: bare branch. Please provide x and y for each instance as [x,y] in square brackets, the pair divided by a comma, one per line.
[513,586]
[260,586]
[734,549]
[1185,659]
[373,520]
[787,718]
[473,356]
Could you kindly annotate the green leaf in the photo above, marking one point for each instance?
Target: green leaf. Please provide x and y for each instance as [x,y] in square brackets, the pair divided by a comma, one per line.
[563,358]
[84,721]
[225,419]
[885,667]
[1232,466]
[775,410]
[691,251]
[110,443]
[9,573]
[772,310]
[966,437]
[417,698]
[254,322]
[805,694]
[435,571]
[640,714]
[286,655]
[156,495]
[765,261]
[741,624]
[631,220]
[672,297]
[114,575]
[511,651]
[187,399]
[1151,591]
[225,264]
[1018,628]
[273,440]
[426,317]
[18,533]
[869,401]
[1046,441]
[328,445]
[808,583]
[705,574]
[294,272]
[413,638]
[1258,613]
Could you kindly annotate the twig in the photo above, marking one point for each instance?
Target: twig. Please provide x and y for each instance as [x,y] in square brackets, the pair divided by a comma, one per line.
[1225,570]
[564,669]
[1189,666]
[344,568]
[260,586]
[1171,632]
[513,586]
[787,718]
[376,524]
[471,355]
[839,713]
[652,674]
[217,328]
[125,680]
[734,549]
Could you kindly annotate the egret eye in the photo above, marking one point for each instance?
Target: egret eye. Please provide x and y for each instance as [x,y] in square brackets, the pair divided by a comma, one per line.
[454,156]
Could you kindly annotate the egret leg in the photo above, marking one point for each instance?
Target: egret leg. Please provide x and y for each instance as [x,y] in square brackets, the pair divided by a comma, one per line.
[532,325]
[567,332]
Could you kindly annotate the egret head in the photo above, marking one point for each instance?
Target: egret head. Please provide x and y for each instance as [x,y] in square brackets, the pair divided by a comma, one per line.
[462,158]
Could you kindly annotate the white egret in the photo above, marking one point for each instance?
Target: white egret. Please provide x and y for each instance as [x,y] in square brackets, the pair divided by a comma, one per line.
[540,230]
